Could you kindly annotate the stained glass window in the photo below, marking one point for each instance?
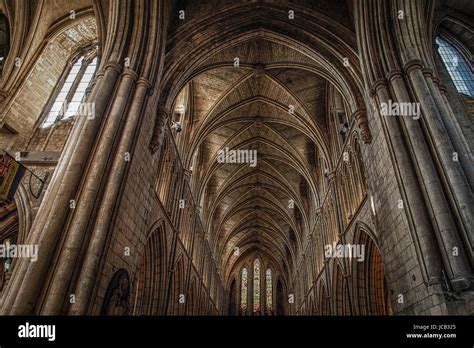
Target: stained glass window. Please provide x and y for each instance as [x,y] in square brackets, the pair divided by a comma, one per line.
[68,102]
[7,244]
[458,68]
[256,286]
[243,290]
[269,290]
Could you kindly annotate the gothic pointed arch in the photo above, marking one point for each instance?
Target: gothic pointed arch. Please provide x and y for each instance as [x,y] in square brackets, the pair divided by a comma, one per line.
[370,292]
[339,292]
[237,155]
[177,293]
[151,274]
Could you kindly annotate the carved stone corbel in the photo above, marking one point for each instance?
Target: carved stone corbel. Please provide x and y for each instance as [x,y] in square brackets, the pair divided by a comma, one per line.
[156,138]
[361,117]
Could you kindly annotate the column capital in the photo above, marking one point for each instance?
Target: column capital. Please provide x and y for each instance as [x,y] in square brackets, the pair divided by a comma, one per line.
[427,72]
[145,83]
[130,73]
[381,82]
[394,74]
[413,64]
[113,66]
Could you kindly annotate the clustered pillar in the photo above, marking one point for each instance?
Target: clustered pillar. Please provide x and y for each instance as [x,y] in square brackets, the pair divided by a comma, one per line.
[76,208]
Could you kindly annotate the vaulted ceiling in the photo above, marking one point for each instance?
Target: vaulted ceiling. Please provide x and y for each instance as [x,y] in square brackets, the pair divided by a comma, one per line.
[248,107]
[269,103]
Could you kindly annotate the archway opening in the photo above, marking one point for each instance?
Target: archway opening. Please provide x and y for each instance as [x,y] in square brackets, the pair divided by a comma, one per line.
[371,294]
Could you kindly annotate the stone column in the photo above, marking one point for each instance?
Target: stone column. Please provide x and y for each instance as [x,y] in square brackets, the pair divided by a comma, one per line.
[421,150]
[56,205]
[105,212]
[456,181]
[445,229]
[88,156]
[325,239]
[413,36]
[118,173]
[342,239]
[448,118]
[52,191]
[171,272]
[84,209]
[411,194]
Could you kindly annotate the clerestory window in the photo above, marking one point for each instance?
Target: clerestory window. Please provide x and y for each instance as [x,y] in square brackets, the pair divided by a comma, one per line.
[459,70]
[69,100]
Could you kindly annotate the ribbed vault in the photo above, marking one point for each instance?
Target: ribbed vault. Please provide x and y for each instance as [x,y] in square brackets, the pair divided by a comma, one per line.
[253,85]
[267,208]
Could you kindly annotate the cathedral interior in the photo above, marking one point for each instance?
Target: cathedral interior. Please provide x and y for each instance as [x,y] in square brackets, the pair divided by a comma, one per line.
[238,158]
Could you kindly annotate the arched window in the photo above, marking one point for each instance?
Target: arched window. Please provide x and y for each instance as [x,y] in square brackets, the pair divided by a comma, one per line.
[244,291]
[269,291]
[459,70]
[4,40]
[256,286]
[68,102]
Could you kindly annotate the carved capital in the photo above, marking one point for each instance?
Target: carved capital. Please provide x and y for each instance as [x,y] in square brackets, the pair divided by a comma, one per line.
[394,74]
[379,83]
[145,83]
[428,73]
[414,64]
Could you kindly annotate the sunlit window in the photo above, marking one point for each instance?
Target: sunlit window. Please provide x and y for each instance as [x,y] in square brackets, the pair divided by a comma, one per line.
[243,291]
[458,68]
[68,102]
[256,286]
[269,290]
[81,89]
